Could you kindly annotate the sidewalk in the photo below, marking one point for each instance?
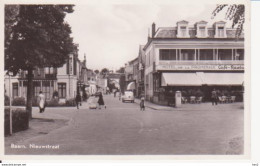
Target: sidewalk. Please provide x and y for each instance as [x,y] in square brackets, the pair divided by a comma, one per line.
[191,107]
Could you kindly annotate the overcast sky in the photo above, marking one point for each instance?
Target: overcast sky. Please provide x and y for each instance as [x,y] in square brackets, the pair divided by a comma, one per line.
[110,34]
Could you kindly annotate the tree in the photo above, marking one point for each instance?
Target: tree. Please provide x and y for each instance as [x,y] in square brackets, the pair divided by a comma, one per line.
[96,71]
[236,13]
[121,70]
[104,72]
[39,37]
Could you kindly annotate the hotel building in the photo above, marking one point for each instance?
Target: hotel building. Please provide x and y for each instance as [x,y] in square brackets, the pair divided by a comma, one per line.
[191,59]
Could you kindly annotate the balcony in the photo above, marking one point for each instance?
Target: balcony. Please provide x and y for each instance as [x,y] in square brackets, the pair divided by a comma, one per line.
[215,62]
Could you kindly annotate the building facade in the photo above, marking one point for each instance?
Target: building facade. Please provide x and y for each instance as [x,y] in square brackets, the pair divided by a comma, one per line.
[66,81]
[140,72]
[193,59]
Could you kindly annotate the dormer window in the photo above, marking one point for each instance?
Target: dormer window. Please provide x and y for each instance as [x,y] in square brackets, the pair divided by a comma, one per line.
[220,32]
[220,29]
[182,29]
[202,30]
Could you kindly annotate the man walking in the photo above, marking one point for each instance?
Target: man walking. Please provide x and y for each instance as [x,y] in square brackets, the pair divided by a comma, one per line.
[214,97]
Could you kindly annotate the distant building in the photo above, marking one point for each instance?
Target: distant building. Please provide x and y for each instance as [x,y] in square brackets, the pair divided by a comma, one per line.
[140,72]
[131,74]
[91,87]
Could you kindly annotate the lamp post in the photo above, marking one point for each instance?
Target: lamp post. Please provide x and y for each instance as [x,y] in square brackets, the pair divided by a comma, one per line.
[10,105]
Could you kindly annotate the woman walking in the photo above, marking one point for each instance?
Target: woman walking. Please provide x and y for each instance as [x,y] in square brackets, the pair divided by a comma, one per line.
[101,101]
[41,102]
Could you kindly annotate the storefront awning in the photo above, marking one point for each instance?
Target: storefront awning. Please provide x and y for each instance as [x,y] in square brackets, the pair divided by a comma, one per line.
[219,79]
[181,79]
[131,86]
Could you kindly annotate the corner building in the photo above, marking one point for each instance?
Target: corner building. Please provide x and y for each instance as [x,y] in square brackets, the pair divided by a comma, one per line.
[193,59]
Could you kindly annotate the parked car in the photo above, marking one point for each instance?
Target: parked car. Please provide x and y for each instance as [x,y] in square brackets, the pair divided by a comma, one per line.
[128,96]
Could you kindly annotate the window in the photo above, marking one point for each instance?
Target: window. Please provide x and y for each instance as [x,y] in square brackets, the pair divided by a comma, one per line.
[187,54]
[239,54]
[62,90]
[36,87]
[183,31]
[202,31]
[225,54]
[15,89]
[220,32]
[206,54]
[47,89]
[167,54]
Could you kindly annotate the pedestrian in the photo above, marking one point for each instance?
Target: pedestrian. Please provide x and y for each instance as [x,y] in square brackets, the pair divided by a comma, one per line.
[214,97]
[78,100]
[115,93]
[101,101]
[41,102]
[142,106]
[119,95]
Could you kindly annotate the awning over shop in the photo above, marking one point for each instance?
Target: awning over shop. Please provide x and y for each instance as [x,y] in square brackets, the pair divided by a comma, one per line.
[131,86]
[181,79]
[223,79]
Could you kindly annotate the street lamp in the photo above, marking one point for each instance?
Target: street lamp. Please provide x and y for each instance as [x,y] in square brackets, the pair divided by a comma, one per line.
[10,103]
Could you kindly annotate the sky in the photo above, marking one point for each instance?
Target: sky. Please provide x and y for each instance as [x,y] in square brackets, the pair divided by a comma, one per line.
[110,34]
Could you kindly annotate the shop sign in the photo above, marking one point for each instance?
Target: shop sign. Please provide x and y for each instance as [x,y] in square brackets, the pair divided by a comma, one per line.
[201,67]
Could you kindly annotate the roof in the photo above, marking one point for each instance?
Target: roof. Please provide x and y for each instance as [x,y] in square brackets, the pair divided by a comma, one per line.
[132,61]
[202,22]
[182,21]
[170,33]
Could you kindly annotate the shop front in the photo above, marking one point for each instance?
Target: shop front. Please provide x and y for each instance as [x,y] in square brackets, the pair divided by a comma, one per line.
[196,86]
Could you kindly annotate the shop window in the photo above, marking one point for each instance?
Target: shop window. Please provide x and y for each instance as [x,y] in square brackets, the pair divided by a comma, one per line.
[239,54]
[47,89]
[225,54]
[187,54]
[62,90]
[167,54]
[206,54]
[15,89]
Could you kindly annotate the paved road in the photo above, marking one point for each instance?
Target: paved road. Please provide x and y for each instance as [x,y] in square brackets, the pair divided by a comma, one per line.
[123,129]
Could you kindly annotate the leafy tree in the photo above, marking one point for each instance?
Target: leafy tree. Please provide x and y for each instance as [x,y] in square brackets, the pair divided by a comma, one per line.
[38,37]
[104,72]
[236,13]
[121,70]
[96,71]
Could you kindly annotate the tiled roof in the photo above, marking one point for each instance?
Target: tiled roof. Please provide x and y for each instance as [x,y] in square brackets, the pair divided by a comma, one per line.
[166,33]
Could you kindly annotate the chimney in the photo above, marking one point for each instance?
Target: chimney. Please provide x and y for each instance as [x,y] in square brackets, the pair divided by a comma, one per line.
[153,30]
